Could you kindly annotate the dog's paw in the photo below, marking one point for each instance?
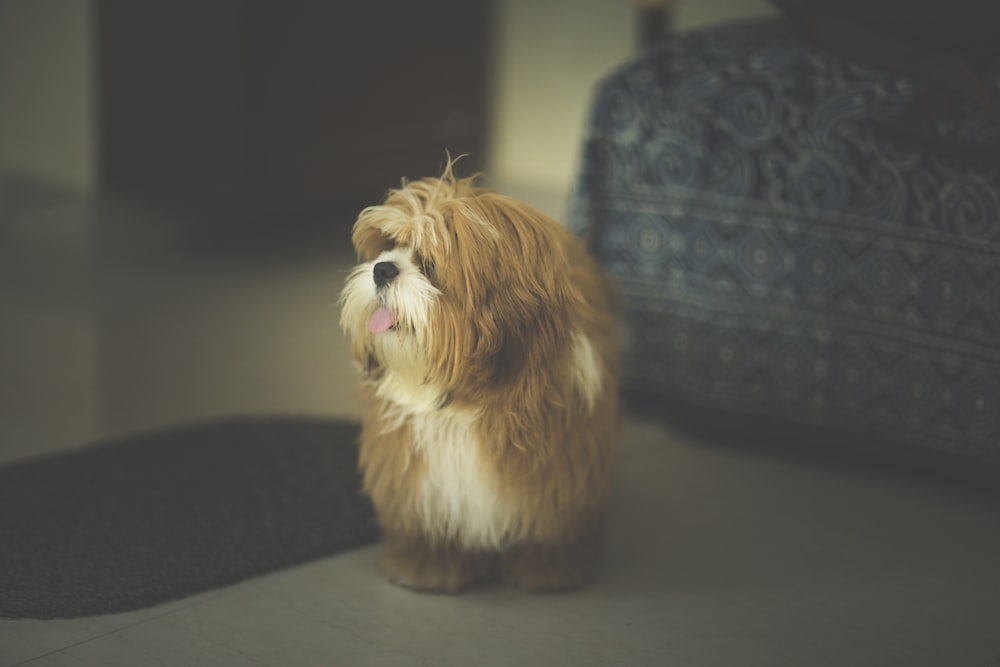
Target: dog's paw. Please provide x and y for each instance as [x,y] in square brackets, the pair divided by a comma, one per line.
[416,564]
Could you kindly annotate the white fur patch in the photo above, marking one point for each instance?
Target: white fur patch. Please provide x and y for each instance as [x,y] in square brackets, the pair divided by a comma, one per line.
[407,394]
[586,368]
[458,498]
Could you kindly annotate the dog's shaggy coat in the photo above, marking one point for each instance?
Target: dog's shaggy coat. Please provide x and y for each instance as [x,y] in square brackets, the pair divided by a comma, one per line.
[484,332]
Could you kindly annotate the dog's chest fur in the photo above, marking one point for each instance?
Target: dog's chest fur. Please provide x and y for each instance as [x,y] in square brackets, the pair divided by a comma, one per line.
[458,497]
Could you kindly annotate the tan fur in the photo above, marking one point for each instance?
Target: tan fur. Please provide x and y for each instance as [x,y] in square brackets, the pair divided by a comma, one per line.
[514,293]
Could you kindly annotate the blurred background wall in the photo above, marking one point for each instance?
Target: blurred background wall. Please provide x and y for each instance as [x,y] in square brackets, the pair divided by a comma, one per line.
[47,91]
[79,80]
[547,56]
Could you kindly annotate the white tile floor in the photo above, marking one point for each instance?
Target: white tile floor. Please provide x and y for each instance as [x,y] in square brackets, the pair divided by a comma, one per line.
[717,555]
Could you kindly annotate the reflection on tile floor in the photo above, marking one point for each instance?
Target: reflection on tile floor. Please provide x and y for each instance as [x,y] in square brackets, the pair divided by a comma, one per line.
[717,555]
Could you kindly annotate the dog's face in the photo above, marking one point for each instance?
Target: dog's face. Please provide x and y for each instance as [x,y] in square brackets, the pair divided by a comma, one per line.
[458,290]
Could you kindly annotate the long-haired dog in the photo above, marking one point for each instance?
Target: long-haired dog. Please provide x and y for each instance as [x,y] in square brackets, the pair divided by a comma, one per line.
[484,332]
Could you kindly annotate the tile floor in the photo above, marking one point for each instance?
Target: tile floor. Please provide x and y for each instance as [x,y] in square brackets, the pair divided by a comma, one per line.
[718,555]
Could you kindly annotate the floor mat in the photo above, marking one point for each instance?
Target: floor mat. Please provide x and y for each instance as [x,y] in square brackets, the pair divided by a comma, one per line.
[142,520]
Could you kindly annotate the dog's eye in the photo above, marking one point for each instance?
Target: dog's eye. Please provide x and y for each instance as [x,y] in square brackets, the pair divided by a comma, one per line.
[427,266]
[379,245]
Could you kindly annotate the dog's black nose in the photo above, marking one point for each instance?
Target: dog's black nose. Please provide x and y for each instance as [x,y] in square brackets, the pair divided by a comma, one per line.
[384,272]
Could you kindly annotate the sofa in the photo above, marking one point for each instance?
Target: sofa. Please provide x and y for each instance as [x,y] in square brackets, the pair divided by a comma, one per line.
[782,253]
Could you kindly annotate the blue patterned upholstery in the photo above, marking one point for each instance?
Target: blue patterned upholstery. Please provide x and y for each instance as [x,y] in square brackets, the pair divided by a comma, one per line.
[778,256]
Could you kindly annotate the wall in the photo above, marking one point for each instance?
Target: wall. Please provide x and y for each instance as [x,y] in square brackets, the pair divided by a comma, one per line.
[548,54]
[46,92]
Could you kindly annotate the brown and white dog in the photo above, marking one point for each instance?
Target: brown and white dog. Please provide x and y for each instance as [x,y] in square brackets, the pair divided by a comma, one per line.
[484,332]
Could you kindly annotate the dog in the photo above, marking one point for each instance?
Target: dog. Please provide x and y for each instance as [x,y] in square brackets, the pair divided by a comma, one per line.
[484,333]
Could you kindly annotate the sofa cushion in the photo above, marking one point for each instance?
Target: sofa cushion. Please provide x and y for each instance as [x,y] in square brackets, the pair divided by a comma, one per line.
[779,254]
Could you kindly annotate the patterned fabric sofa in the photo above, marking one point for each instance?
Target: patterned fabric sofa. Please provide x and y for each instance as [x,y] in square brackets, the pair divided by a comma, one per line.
[778,256]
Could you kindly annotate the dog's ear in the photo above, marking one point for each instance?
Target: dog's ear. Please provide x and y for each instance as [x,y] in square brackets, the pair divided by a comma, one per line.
[528,334]
[500,339]
[479,350]
[506,359]
[538,297]
[507,294]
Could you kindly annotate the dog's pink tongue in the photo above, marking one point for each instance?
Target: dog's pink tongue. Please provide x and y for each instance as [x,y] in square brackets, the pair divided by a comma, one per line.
[381,320]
